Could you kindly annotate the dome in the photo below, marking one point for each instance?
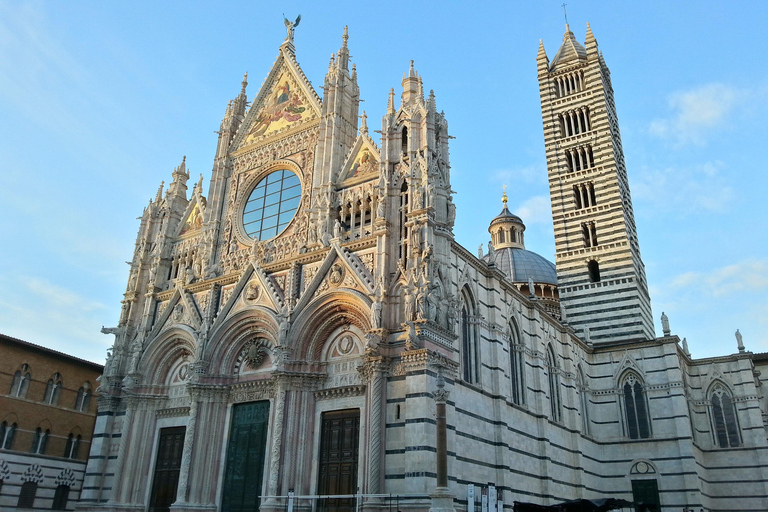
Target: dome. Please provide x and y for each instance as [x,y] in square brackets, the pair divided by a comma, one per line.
[520,264]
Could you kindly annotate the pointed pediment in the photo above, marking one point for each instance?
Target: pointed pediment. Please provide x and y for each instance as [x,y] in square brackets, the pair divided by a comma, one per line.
[181,309]
[286,101]
[340,269]
[192,221]
[363,161]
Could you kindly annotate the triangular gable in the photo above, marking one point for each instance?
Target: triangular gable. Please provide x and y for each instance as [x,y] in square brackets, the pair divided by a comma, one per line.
[354,274]
[362,162]
[286,100]
[267,294]
[193,217]
[181,310]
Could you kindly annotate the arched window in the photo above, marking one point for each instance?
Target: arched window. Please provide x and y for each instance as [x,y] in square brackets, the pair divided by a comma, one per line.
[52,389]
[27,495]
[725,426]
[40,441]
[594,271]
[60,498]
[581,385]
[73,446]
[468,355]
[635,408]
[20,383]
[517,365]
[404,144]
[83,398]
[6,435]
[553,375]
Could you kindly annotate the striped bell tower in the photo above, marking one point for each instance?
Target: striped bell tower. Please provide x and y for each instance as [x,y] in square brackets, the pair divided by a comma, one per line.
[601,276]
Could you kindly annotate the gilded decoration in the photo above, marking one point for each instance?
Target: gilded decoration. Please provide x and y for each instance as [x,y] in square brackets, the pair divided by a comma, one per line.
[364,163]
[194,221]
[283,107]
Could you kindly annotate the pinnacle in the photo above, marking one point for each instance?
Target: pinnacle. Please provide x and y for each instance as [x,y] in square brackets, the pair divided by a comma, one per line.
[391,102]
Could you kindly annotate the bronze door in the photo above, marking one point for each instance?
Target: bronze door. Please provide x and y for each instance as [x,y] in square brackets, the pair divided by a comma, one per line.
[245,457]
[339,439]
[166,479]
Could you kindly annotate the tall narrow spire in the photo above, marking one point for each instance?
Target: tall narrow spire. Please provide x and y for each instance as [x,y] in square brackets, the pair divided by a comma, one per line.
[391,102]
[159,195]
[343,61]
[410,86]
[244,83]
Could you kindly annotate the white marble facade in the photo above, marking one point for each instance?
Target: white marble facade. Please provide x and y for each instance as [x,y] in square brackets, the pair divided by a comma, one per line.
[362,297]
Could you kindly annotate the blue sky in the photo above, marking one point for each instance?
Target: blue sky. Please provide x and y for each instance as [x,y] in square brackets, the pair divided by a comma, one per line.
[100,100]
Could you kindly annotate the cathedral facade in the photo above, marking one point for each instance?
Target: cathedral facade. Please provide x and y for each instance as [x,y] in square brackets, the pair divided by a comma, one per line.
[296,329]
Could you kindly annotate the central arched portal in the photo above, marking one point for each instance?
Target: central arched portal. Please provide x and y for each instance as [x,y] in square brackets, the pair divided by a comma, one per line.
[244,471]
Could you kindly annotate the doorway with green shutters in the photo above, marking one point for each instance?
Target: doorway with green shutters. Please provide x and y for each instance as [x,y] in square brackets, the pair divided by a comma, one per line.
[244,470]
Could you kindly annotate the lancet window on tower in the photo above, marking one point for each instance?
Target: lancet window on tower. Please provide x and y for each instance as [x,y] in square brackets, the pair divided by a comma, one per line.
[574,122]
[589,233]
[580,158]
[584,195]
[569,83]
[402,219]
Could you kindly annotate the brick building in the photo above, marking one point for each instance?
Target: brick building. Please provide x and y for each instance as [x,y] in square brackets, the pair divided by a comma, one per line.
[47,413]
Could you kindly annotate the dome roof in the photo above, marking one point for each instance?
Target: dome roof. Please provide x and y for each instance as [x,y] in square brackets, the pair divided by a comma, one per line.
[520,264]
[506,215]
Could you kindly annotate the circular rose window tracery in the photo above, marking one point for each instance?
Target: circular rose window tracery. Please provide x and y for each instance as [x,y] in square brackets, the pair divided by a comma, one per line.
[272,204]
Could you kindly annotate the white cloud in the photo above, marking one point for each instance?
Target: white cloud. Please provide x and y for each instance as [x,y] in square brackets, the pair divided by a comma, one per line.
[535,210]
[697,113]
[690,189]
[38,311]
[746,276]
[512,177]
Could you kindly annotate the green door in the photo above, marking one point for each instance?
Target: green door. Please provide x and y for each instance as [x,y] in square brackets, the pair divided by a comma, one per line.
[645,494]
[245,457]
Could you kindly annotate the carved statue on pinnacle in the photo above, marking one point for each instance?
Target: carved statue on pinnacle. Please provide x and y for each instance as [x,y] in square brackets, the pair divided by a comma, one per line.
[289,26]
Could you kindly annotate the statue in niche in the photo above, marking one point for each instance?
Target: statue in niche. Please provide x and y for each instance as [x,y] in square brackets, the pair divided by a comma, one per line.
[376,313]
[408,305]
[132,281]
[336,228]
[421,302]
[433,301]
[285,325]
